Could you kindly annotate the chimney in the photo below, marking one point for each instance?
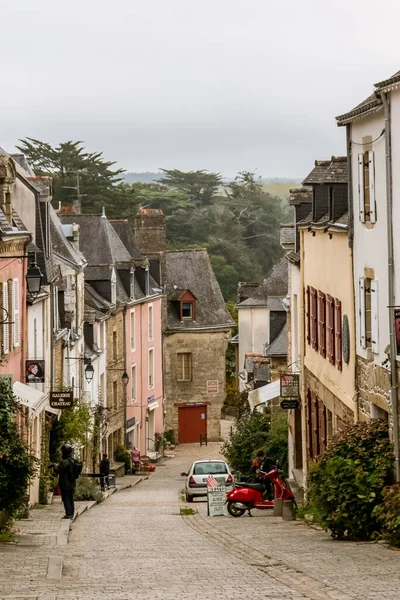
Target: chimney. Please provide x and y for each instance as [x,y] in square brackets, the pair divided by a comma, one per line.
[150,234]
[66,210]
[75,235]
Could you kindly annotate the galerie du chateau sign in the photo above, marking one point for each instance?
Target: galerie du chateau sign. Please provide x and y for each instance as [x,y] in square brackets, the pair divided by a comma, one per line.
[61,399]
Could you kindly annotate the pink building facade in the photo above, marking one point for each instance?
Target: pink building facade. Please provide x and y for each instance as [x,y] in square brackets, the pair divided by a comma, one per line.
[144,411]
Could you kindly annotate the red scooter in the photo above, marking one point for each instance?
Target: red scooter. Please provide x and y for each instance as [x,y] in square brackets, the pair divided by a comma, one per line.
[246,496]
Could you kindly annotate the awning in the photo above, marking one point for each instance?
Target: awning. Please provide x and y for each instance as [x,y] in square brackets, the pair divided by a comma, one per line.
[264,394]
[34,399]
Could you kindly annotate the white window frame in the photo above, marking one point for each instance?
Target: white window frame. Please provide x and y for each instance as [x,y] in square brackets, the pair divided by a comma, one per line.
[132,334]
[16,314]
[372,209]
[361,312]
[6,326]
[361,187]
[113,287]
[132,284]
[150,322]
[150,368]
[375,316]
[180,358]
[133,383]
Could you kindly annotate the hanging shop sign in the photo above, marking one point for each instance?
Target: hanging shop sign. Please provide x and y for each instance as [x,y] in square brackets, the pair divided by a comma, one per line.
[34,371]
[61,399]
[290,386]
[290,404]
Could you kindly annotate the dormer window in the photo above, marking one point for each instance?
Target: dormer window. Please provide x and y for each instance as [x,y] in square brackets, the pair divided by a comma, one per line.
[132,284]
[187,310]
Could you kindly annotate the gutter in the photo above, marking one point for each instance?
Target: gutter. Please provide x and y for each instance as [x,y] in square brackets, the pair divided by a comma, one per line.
[391,290]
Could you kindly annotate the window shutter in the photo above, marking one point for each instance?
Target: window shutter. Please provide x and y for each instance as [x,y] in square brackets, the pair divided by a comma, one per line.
[315,426]
[322,427]
[16,330]
[308,315]
[372,210]
[361,187]
[322,323]
[361,312]
[314,316]
[338,333]
[309,423]
[374,316]
[6,326]
[330,326]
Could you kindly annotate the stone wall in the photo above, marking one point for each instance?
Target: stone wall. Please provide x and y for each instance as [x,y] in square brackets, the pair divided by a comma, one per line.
[58,364]
[373,383]
[115,369]
[208,363]
[338,409]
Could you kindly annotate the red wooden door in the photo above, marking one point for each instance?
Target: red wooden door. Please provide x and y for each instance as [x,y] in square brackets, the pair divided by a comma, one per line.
[192,423]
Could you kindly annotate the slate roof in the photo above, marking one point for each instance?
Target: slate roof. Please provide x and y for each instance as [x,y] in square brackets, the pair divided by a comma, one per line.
[301,196]
[274,285]
[125,232]
[370,104]
[278,347]
[62,247]
[191,270]
[288,234]
[328,171]
[318,173]
[98,240]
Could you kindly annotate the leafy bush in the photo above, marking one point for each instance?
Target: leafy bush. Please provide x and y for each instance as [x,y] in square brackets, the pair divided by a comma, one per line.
[387,515]
[254,431]
[346,483]
[17,465]
[169,437]
[87,489]
[123,455]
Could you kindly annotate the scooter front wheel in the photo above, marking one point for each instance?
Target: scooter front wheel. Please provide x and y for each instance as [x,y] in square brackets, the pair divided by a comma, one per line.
[234,511]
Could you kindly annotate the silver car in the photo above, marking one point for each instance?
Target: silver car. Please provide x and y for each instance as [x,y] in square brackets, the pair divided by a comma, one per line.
[196,478]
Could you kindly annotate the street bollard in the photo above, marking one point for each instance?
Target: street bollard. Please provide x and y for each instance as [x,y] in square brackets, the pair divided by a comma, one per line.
[278,507]
[288,512]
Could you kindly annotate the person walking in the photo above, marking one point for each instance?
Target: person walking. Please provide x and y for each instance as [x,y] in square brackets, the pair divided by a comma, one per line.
[67,471]
[104,472]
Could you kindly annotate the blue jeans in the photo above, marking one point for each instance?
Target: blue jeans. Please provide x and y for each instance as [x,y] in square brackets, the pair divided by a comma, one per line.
[67,496]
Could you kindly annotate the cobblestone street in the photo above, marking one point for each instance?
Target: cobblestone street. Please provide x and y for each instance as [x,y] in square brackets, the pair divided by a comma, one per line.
[137,545]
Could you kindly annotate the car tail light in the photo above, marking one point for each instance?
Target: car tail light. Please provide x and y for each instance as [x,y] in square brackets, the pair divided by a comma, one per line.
[229,478]
[192,480]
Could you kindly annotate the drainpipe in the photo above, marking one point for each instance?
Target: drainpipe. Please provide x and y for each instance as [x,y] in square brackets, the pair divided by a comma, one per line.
[304,428]
[391,290]
[125,312]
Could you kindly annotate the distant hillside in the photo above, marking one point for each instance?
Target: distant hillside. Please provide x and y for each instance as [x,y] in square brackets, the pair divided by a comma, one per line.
[276,186]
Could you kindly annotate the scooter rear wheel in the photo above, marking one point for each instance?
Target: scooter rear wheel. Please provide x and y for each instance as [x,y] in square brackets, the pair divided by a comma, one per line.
[234,511]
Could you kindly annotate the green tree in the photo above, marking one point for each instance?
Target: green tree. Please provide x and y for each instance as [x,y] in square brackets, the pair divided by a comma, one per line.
[78,175]
[17,465]
[199,186]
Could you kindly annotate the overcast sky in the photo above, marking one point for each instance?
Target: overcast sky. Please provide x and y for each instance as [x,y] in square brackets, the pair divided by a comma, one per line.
[224,85]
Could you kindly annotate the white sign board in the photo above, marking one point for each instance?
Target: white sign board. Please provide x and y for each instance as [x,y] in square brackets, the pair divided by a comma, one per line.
[216,496]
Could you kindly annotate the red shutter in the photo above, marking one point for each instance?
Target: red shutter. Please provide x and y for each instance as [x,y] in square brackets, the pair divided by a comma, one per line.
[330,326]
[322,323]
[314,317]
[308,296]
[322,427]
[338,333]
[315,426]
[309,424]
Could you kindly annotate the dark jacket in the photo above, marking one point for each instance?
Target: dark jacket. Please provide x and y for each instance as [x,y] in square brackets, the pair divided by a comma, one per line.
[105,466]
[66,479]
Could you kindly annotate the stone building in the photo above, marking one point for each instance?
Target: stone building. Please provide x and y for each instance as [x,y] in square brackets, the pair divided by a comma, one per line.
[328,386]
[195,342]
[262,316]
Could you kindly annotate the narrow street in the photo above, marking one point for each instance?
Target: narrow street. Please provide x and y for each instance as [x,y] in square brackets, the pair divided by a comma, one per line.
[137,545]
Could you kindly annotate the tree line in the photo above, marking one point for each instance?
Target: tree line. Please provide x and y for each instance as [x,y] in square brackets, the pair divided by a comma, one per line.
[238,222]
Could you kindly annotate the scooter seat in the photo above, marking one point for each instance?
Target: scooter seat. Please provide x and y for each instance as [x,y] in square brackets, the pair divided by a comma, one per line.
[254,486]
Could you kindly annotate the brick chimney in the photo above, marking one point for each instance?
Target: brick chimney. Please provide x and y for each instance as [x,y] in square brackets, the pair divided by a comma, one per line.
[150,234]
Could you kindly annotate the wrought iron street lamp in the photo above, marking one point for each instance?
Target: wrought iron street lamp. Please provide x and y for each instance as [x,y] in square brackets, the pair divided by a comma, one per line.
[89,371]
[34,279]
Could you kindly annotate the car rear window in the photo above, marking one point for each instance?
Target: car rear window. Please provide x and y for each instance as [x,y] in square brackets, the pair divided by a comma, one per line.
[211,468]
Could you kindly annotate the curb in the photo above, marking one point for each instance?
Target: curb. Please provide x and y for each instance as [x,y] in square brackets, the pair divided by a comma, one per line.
[65,525]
